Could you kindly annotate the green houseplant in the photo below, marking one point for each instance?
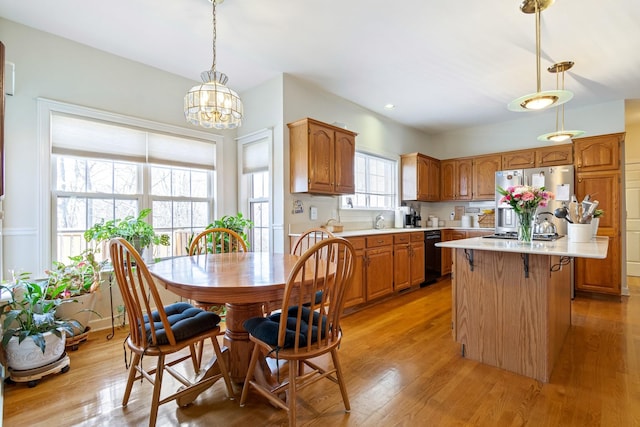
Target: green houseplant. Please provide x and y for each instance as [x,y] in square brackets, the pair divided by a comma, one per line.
[30,326]
[237,223]
[134,230]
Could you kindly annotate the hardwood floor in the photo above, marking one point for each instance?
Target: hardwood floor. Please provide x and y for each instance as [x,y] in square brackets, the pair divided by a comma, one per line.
[402,369]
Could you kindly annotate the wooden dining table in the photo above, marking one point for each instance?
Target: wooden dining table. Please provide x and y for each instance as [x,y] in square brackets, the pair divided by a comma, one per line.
[243,281]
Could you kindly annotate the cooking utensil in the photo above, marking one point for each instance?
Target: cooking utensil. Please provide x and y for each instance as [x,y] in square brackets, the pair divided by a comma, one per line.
[562,213]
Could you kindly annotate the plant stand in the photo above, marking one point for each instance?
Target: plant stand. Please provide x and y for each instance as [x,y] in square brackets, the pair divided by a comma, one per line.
[74,341]
[33,376]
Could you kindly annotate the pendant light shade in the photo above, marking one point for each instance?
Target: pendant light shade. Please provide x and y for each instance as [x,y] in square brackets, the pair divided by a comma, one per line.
[538,100]
[560,134]
[212,104]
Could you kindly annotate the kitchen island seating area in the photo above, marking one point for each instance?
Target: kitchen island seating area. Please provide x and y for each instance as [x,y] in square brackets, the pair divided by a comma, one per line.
[162,332]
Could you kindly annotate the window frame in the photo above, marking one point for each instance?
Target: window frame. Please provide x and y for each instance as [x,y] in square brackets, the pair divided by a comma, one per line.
[45,235]
[394,162]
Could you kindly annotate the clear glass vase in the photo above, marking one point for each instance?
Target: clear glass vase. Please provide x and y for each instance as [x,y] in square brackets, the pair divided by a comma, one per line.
[526,220]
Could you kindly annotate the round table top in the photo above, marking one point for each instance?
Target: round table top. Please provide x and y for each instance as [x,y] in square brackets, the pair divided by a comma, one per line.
[238,277]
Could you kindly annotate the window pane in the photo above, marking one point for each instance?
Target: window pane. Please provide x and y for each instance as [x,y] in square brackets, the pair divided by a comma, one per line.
[199,187]
[72,214]
[200,214]
[375,183]
[161,214]
[160,181]
[182,214]
[71,174]
[100,177]
[125,177]
[181,183]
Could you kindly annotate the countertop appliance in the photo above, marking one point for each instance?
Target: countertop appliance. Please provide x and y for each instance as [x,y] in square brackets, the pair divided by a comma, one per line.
[557,179]
[432,256]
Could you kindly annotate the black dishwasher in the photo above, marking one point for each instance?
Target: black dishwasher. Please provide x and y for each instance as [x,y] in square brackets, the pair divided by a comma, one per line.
[432,259]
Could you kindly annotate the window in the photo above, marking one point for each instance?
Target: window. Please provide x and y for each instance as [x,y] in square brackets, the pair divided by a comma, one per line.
[107,170]
[255,187]
[375,183]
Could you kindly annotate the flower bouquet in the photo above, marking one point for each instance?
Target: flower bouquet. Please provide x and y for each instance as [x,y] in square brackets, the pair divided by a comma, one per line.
[525,200]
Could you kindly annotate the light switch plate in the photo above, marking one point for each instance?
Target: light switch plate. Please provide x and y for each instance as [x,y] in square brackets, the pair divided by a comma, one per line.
[313,213]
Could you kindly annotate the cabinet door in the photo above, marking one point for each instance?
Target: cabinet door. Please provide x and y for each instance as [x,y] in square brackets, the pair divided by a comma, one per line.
[379,272]
[519,159]
[401,267]
[484,176]
[433,192]
[345,154]
[447,179]
[417,262]
[354,294]
[554,155]
[423,178]
[321,159]
[464,179]
[602,275]
[598,152]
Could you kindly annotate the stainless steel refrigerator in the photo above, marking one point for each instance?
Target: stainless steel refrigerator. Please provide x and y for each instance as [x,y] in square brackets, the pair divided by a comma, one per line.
[557,179]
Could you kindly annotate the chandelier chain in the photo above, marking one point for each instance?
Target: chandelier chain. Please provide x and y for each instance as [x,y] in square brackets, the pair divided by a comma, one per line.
[213,64]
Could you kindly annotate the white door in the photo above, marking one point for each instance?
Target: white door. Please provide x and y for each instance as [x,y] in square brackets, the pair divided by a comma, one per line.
[632,185]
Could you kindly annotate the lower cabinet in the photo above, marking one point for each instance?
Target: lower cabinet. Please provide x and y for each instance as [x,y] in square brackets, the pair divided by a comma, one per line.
[446,253]
[355,294]
[417,258]
[378,266]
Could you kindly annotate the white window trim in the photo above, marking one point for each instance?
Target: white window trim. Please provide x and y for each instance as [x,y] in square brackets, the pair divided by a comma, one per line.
[47,107]
[386,156]
[243,199]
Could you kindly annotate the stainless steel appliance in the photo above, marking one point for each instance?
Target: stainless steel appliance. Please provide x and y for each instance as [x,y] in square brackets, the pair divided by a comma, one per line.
[432,257]
[557,179]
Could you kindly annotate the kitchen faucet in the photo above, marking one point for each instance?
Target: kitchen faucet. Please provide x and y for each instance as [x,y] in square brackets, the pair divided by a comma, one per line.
[379,222]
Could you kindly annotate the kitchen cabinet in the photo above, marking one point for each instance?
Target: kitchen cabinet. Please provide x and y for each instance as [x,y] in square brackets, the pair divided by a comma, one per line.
[456,179]
[378,266]
[420,177]
[598,153]
[446,253]
[554,155]
[602,275]
[484,176]
[321,158]
[355,293]
[408,260]
[520,159]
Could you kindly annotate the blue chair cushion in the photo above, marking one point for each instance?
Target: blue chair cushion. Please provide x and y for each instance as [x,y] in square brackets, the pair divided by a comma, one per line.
[266,328]
[186,321]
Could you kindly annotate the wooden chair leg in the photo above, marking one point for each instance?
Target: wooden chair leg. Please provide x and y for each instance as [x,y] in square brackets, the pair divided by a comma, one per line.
[250,373]
[131,378]
[157,385]
[341,382]
[196,358]
[224,370]
[291,399]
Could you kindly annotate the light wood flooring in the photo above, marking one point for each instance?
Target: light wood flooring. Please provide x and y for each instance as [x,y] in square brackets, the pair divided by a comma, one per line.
[402,369]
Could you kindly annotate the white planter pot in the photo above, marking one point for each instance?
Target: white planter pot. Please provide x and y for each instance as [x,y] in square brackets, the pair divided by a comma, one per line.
[594,224]
[80,310]
[27,355]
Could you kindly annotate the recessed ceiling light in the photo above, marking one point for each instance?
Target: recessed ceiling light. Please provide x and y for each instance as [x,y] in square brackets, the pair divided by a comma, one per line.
[389,107]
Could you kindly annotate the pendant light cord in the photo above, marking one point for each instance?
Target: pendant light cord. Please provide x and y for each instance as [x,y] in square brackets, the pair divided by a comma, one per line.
[213,64]
[537,11]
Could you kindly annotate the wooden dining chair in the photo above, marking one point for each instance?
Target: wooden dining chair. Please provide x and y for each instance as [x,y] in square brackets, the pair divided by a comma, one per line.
[159,331]
[299,333]
[309,238]
[216,241]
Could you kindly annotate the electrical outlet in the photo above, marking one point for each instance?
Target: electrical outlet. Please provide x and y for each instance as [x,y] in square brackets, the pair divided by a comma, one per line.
[313,213]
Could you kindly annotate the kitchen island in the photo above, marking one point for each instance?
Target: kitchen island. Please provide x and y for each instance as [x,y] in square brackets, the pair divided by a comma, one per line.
[511,301]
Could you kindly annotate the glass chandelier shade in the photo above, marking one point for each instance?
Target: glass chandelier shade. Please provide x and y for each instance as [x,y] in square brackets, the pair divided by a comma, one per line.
[560,134]
[212,104]
[539,100]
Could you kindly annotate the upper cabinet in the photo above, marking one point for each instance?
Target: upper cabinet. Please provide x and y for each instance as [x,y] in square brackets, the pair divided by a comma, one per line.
[456,179]
[321,158]
[553,155]
[420,177]
[484,176]
[597,153]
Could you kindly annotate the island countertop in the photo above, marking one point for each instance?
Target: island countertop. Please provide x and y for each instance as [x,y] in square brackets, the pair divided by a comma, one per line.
[595,248]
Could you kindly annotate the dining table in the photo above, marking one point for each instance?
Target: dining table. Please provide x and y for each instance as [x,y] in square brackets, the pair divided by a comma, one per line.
[243,281]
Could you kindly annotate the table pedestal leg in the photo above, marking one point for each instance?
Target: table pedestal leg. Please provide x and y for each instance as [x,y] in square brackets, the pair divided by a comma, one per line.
[237,339]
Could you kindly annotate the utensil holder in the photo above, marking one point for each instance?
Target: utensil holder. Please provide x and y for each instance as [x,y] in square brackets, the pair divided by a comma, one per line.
[578,233]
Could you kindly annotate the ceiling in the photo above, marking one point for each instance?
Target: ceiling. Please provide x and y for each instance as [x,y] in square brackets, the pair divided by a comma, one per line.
[444,64]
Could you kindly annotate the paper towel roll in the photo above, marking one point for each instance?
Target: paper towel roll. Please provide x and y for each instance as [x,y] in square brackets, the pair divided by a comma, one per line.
[466,221]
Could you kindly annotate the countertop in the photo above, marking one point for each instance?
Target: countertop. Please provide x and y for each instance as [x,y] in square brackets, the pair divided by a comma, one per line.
[596,248]
[370,231]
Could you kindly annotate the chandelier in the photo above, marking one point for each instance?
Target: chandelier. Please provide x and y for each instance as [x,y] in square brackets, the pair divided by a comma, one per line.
[560,134]
[212,104]
[539,100]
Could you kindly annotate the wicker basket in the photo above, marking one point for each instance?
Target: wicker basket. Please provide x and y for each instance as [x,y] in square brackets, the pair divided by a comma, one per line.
[487,221]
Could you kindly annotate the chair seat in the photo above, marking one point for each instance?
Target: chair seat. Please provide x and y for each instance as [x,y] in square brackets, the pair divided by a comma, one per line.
[185,321]
[266,328]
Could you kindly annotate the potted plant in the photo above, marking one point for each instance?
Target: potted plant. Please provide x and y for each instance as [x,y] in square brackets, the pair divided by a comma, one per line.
[32,336]
[237,223]
[75,284]
[134,230]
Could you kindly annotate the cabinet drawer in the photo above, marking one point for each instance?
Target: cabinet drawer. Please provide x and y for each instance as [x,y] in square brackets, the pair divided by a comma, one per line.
[375,241]
[401,238]
[417,237]
[357,242]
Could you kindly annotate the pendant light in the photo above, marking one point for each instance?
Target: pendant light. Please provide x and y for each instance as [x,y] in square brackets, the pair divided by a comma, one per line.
[560,134]
[212,104]
[539,100]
